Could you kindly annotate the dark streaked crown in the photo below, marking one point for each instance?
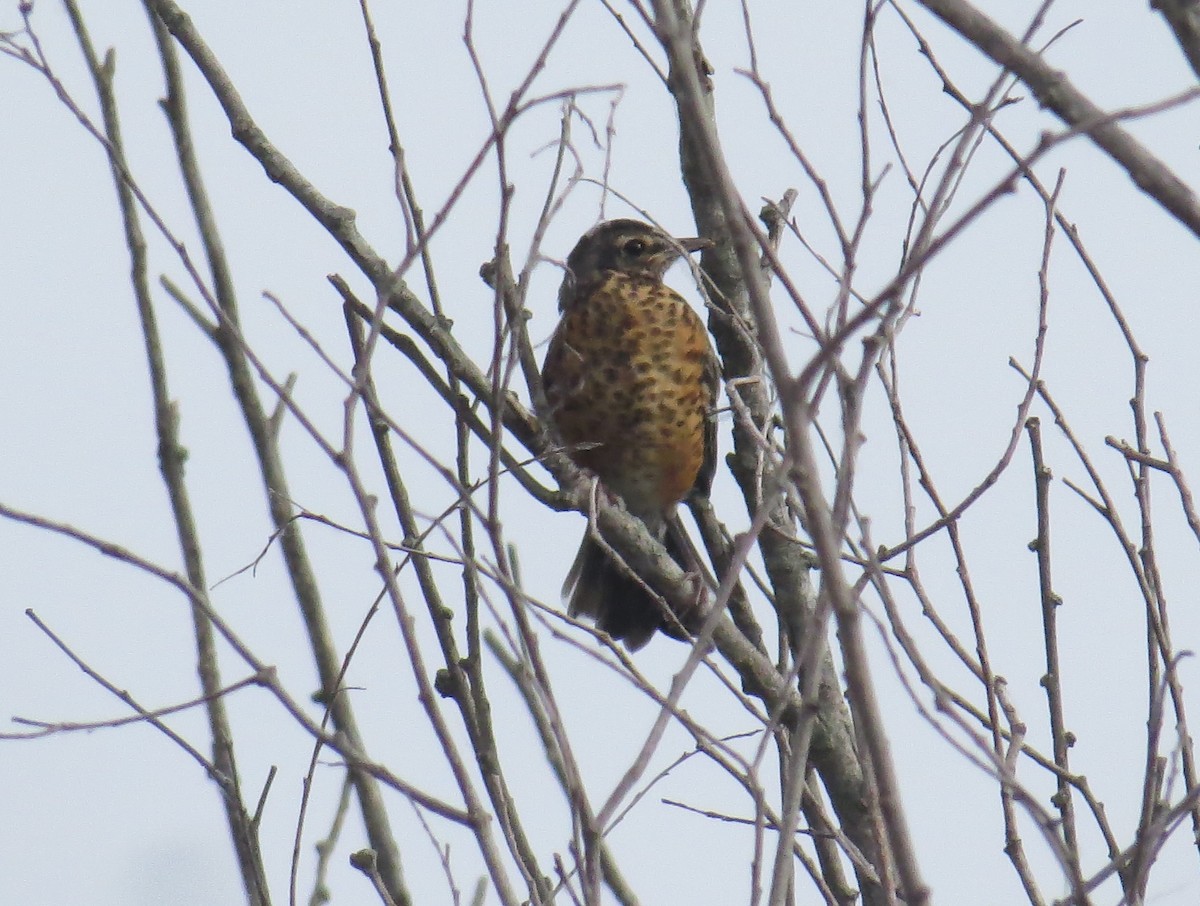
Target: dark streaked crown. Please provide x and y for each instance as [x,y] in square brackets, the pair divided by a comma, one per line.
[624,246]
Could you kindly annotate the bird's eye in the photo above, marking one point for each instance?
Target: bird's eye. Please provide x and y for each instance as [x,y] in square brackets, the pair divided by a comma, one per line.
[633,247]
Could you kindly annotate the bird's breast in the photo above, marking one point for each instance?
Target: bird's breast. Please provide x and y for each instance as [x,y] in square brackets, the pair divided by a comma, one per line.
[625,380]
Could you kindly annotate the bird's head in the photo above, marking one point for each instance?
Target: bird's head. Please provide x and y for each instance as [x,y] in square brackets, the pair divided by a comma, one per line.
[624,246]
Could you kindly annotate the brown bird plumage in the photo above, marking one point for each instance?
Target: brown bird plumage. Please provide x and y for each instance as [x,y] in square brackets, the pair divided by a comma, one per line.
[631,381]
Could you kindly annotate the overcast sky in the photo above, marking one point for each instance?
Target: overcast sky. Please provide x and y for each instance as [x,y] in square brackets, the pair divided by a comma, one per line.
[121,817]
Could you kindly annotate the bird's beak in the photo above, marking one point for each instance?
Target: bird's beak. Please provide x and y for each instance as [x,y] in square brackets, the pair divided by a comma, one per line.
[695,244]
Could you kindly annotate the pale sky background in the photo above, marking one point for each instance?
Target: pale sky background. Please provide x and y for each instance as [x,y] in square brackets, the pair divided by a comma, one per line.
[123,818]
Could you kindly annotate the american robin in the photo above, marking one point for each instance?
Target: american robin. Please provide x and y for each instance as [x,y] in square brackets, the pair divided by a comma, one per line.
[631,382]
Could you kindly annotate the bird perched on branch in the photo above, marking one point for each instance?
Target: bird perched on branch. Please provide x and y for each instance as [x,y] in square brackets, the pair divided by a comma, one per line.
[631,381]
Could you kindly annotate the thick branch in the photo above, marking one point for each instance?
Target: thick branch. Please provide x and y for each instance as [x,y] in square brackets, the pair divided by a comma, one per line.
[1056,93]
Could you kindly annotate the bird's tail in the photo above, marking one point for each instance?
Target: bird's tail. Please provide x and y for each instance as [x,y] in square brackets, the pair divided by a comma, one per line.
[606,591]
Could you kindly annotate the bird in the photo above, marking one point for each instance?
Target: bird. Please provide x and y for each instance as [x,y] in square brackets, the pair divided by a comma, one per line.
[631,382]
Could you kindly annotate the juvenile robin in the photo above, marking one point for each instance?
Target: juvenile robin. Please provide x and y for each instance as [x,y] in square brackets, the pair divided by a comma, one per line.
[632,382]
